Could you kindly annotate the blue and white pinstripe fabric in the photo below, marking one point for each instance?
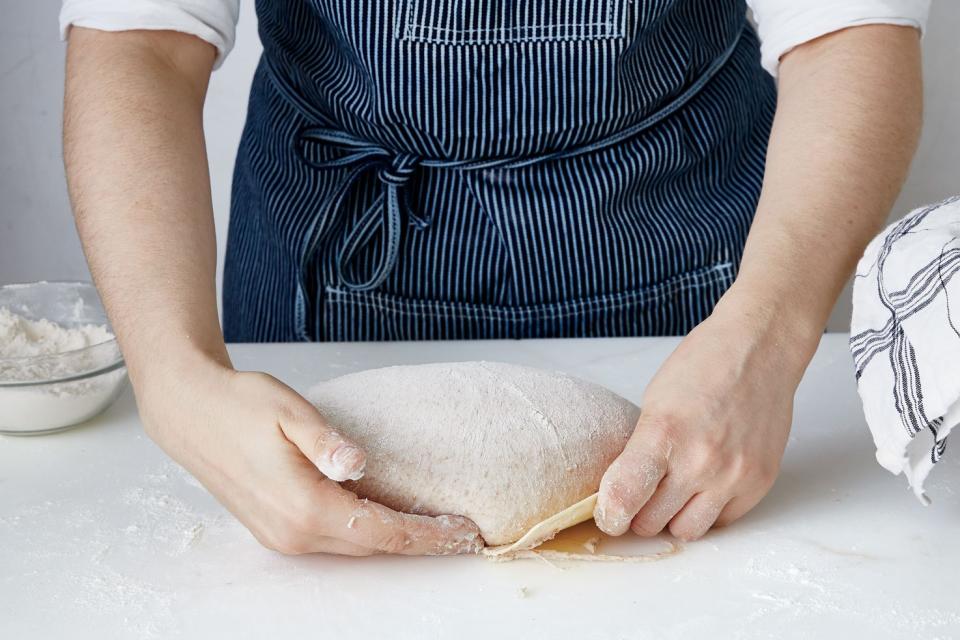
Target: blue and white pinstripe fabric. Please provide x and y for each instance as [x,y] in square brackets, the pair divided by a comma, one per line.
[437,169]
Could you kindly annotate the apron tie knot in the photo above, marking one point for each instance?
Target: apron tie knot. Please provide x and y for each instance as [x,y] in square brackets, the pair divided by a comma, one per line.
[398,172]
[384,216]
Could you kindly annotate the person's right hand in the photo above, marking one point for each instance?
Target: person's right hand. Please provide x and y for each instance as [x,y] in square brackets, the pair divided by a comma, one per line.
[268,455]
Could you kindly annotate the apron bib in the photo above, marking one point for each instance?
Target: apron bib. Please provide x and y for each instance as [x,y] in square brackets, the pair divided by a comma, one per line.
[466,169]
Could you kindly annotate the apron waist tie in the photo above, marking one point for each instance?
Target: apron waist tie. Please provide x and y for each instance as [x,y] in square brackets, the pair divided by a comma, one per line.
[394,170]
[385,214]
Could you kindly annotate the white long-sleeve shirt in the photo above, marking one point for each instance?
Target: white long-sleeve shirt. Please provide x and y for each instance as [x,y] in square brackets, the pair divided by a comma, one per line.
[782,24]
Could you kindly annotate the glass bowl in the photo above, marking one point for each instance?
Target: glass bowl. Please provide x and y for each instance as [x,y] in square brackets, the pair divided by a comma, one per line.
[47,393]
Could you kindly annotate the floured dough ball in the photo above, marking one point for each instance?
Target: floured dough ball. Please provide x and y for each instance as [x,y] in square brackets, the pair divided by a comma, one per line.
[504,445]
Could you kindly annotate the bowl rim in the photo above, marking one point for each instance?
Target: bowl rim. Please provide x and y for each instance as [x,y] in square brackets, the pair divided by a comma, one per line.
[94,373]
[112,366]
[18,285]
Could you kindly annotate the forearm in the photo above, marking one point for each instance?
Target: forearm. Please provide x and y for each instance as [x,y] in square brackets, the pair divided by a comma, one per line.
[137,171]
[847,123]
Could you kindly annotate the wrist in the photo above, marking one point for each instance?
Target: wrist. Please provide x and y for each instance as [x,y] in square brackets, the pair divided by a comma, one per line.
[775,321]
[158,367]
[169,379]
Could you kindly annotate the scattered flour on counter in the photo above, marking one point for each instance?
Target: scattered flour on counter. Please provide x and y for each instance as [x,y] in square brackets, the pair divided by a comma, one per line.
[797,583]
[24,343]
[121,565]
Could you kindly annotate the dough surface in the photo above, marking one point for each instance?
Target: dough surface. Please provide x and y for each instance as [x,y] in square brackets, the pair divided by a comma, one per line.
[504,445]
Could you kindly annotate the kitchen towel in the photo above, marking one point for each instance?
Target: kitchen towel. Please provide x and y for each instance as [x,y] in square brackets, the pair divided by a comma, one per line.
[905,339]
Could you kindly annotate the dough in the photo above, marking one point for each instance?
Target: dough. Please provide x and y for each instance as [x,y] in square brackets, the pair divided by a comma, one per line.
[547,529]
[504,445]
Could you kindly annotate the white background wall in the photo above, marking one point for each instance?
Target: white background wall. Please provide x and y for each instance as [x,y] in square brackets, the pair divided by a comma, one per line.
[37,237]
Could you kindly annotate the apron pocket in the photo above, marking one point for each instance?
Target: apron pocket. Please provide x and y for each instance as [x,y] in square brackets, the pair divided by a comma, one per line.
[672,307]
[481,22]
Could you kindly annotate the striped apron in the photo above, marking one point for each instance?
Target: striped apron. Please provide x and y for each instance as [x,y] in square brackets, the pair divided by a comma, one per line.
[465,169]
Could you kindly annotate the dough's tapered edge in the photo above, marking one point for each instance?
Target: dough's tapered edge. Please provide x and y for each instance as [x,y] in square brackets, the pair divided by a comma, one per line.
[547,529]
[671,549]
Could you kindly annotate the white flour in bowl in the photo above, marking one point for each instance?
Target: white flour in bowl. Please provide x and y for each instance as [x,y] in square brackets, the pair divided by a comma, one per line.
[22,337]
[23,344]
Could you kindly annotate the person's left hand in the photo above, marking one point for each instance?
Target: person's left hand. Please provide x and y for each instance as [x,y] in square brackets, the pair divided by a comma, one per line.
[714,424]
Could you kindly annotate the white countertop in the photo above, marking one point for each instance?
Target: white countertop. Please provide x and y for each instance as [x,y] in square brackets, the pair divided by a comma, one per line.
[101,537]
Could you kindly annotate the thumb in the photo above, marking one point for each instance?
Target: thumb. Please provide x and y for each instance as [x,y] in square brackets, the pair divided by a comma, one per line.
[336,456]
[630,480]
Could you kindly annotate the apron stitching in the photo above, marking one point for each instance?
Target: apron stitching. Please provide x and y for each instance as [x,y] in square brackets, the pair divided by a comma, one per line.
[408,30]
[681,284]
[515,294]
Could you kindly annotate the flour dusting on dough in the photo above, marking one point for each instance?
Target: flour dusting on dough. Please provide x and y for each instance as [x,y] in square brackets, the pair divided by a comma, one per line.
[503,445]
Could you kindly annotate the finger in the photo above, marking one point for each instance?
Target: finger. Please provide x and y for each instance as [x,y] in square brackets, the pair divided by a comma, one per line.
[335,546]
[696,518]
[286,539]
[369,524]
[628,484]
[737,508]
[671,495]
[335,455]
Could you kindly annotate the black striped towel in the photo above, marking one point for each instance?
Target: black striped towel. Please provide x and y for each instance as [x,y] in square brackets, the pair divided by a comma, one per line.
[905,339]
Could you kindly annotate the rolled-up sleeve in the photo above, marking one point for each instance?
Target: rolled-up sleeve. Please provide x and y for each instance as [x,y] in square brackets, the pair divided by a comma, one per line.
[785,24]
[212,20]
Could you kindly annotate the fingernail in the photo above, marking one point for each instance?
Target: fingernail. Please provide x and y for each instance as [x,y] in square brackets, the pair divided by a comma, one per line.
[612,521]
[347,462]
[468,541]
[470,544]
[475,545]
